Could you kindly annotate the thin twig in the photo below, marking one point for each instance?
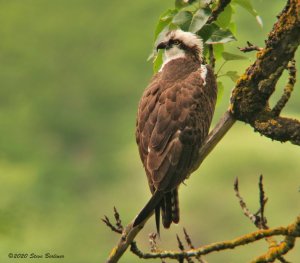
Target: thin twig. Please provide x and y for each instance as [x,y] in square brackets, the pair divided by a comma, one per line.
[288,89]
[181,248]
[262,204]
[218,10]
[258,219]
[110,225]
[118,220]
[243,205]
[250,47]
[152,242]
[191,246]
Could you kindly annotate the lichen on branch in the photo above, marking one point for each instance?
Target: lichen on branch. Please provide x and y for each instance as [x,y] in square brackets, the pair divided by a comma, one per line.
[250,97]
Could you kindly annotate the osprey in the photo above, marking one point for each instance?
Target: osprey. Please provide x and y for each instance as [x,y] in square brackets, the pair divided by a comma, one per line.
[173,120]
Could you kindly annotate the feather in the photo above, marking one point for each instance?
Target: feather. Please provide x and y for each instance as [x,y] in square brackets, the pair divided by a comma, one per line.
[173,120]
[148,208]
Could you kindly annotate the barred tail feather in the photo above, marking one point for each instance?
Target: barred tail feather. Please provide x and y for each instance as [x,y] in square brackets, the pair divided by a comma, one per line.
[166,203]
[170,208]
[175,206]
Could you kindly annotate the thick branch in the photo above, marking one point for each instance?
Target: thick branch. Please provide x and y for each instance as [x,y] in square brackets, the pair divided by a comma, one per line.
[249,101]
[277,128]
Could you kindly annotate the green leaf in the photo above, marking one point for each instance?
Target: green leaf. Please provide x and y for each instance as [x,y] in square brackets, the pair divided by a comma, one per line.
[232,27]
[190,4]
[218,50]
[164,20]
[157,61]
[220,92]
[230,56]
[183,19]
[179,4]
[247,5]
[163,32]
[220,35]
[172,27]
[206,31]
[224,18]
[199,19]
[233,75]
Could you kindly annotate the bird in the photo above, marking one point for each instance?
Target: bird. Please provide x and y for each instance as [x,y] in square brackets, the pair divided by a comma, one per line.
[173,121]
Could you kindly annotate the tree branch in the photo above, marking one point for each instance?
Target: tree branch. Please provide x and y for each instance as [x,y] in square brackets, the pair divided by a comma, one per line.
[250,47]
[288,89]
[249,101]
[216,135]
[276,251]
[218,10]
[291,232]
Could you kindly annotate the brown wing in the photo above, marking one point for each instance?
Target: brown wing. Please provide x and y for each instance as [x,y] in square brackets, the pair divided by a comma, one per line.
[173,120]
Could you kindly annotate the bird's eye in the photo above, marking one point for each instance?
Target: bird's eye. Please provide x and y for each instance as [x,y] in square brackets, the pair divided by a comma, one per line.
[176,42]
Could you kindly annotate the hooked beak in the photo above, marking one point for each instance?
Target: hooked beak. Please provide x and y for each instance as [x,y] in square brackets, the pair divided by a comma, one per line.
[161,45]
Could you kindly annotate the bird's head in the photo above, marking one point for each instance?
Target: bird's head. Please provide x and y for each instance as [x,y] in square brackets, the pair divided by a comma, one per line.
[178,43]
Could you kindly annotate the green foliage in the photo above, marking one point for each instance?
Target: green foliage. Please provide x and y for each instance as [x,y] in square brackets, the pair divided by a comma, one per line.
[230,56]
[192,16]
[157,61]
[164,21]
[200,17]
[247,5]
[220,36]
[220,92]
[233,75]
[218,51]
[224,18]
[182,18]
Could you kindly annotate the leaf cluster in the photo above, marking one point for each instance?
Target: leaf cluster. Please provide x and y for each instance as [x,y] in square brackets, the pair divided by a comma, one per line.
[194,16]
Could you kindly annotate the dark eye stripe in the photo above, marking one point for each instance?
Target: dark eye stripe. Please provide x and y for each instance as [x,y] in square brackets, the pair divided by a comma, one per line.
[174,42]
[179,43]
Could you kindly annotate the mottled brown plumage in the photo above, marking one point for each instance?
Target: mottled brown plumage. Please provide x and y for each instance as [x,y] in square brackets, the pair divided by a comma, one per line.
[173,121]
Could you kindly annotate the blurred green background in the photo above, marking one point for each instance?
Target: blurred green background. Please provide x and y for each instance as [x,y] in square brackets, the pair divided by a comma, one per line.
[71,75]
